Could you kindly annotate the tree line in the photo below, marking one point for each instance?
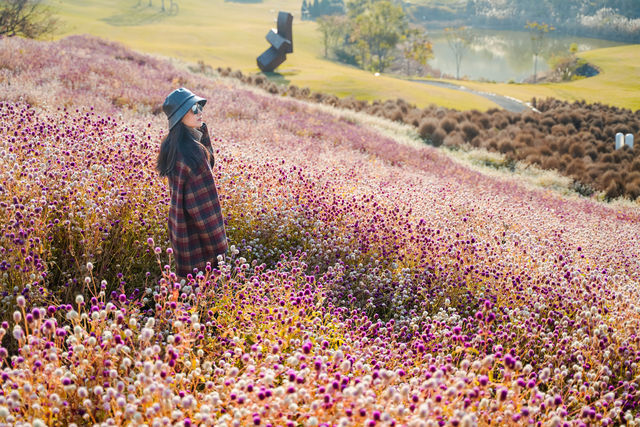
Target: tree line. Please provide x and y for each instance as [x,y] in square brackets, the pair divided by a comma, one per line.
[610,19]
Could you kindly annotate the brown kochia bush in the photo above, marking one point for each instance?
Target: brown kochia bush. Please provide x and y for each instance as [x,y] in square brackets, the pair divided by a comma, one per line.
[454,139]
[470,130]
[427,127]
[437,137]
[448,124]
[554,137]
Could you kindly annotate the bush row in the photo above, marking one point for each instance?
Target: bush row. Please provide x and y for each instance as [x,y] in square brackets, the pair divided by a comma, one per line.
[575,139]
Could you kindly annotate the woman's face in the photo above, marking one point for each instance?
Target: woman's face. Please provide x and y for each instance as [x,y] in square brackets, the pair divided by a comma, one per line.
[193,118]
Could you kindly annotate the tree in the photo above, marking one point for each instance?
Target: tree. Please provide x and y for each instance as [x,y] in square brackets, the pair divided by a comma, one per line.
[356,8]
[27,18]
[537,31]
[459,40]
[332,28]
[378,30]
[416,47]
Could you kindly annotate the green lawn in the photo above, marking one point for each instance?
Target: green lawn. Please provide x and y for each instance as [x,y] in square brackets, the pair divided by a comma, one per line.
[618,83]
[232,34]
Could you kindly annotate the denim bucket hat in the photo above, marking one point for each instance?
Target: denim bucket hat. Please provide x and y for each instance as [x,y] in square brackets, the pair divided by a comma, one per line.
[178,103]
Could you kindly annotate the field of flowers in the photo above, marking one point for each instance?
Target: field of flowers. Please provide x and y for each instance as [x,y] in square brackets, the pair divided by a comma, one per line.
[370,282]
[573,139]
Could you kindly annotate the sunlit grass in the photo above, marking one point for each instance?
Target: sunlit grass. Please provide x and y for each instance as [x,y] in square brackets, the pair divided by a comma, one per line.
[617,84]
[230,34]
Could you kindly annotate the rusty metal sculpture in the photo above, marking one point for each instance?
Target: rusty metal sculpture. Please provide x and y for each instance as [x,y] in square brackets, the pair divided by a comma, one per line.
[281,42]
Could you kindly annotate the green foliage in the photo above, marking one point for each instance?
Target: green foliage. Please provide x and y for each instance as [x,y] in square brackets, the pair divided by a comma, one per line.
[333,29]
[377,31]
[370,31]
[416,47]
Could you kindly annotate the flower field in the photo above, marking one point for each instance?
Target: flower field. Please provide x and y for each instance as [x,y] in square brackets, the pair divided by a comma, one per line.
[370,282]
[573,139]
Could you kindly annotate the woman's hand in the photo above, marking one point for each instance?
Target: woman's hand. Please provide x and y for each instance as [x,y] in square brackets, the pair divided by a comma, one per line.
[205,140]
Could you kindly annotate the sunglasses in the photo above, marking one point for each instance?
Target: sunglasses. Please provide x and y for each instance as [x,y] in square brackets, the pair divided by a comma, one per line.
[196,109]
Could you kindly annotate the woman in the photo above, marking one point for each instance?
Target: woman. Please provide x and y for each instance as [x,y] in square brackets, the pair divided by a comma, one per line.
[196,226]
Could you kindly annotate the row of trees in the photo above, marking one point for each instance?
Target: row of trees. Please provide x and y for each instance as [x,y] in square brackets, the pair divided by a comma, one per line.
[556,11]
[370,35]
[615,19]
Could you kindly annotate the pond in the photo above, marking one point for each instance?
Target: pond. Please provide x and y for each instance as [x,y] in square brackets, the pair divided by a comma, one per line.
[504,56]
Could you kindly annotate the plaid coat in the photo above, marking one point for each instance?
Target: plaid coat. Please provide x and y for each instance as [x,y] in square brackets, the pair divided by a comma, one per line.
[196,226]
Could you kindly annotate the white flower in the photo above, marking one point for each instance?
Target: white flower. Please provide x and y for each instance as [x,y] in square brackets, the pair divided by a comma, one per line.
[147,334]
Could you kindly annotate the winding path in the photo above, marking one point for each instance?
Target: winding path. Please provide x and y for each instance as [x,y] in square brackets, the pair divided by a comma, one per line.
[508,103]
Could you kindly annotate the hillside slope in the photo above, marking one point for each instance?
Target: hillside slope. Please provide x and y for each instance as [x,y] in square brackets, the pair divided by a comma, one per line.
[370,283]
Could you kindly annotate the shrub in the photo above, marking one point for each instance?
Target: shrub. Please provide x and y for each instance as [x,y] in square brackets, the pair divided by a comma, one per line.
[470,130]
[506,146]
[551,163]
[548,122]
[453,140]
[632,188]
[592,153]
[500,121]
[524,139]
[564,118]
[614,189]
[272,88]
[437,137]
[559,130]
[608,178]
[533,159]
[448,124]
[395,114]
[428,127]
[576,168]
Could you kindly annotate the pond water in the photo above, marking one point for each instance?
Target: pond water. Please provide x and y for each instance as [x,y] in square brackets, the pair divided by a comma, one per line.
[504,56]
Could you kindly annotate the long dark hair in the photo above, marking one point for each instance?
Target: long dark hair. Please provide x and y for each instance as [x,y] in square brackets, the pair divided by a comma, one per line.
[180,141]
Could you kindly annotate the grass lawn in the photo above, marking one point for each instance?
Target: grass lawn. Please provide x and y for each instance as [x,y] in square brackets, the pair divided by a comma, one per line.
[617,84]
[232,34]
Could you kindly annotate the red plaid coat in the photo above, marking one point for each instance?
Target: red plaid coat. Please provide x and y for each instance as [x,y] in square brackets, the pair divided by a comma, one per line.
[196,226]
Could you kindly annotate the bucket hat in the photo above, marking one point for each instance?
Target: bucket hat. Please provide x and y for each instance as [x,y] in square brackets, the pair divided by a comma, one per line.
[178,103]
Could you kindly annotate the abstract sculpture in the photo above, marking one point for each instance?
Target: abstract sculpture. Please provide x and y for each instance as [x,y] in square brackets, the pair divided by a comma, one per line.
[281,42]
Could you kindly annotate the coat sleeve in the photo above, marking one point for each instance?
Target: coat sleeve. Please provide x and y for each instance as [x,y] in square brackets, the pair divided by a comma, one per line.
[202,204]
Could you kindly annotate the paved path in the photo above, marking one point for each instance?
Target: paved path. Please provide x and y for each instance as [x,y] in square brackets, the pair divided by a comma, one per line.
[509,104]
